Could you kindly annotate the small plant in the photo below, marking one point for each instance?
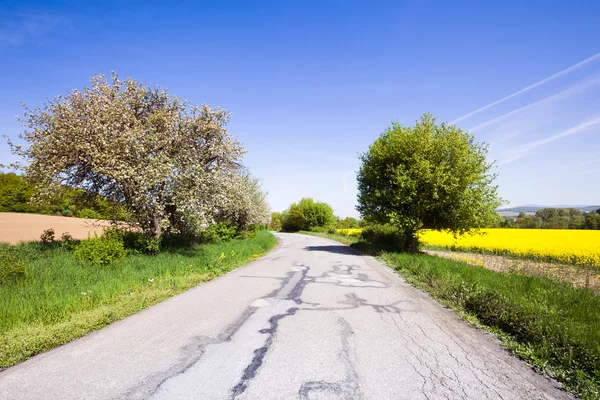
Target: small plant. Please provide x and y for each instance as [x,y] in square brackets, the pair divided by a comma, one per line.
[48,236]
[11,266]
[100,250]
[133,242]
[67,241]
[219,232]
[140,243]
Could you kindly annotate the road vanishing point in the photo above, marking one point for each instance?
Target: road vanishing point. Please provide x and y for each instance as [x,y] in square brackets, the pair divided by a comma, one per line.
[310,320]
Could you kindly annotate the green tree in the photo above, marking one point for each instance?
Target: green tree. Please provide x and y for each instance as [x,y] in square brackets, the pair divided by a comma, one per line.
[592,220]
[430,175]
[275,221]
[308,214]
[15,193]
[348,223]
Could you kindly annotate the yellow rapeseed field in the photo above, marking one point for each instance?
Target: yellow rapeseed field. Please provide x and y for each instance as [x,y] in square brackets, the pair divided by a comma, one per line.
[349,231]
[578,247]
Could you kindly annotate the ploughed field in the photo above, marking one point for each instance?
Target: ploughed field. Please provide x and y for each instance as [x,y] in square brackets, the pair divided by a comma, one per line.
[17,227]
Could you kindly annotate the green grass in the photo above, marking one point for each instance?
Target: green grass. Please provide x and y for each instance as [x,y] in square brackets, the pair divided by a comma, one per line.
[60,298]
[550,324]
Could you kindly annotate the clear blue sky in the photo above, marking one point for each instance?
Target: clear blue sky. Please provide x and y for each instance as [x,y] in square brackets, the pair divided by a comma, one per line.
[311,84]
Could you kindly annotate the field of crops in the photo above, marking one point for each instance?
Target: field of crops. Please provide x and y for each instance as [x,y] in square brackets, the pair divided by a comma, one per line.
[349,231]
[578,247]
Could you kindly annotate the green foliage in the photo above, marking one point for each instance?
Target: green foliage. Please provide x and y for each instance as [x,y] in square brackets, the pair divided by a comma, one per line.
[219,232]
[134,242]
[89,213]
[16,192]
[68,242]
[386,235]
[348,223]
[275,224]
[432,176]
[141,243]
[556,218]
[100,250]
[11,266]
[323,229]
[307,215]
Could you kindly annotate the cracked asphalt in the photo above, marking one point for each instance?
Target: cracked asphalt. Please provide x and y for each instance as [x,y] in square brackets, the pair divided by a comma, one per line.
[311,320]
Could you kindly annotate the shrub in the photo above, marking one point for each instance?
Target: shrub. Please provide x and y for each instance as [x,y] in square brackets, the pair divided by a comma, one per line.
[100,250]
[67,241]
[89,213]
[140,243]
[48,236]
[133,242]
[11,266]
[387,236]
[307,214]
[219,232]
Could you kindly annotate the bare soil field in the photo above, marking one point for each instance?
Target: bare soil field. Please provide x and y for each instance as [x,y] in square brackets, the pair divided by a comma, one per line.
[16,227]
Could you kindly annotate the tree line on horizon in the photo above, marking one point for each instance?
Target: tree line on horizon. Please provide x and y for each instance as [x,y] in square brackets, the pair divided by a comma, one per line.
[555,218]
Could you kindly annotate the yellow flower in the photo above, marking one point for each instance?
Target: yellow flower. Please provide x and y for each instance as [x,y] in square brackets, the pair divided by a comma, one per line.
[222,256]
[577,247]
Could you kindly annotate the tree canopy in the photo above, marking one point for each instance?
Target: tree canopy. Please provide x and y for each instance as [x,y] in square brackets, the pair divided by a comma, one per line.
[307,214]
[172,165]
[430,175]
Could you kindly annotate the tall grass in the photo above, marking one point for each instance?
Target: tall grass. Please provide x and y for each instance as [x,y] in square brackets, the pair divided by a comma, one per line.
[549,323]
[61,298]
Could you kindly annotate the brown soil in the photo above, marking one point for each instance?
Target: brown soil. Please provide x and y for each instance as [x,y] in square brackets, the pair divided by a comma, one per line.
[16,228]
[577,276]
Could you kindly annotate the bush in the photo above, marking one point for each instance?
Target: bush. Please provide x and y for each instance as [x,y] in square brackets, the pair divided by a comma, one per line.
[48,236]
[220,232]
[11,266]
[67,241]
[307,215]
[323,229]
[89,213]
[101,250]
[386,236]
[133,242]
[140,243]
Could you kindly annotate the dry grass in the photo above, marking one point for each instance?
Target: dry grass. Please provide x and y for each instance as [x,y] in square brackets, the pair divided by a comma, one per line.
[577,276]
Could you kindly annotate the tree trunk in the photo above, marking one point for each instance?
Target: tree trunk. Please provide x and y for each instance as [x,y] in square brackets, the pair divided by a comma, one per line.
[154,227]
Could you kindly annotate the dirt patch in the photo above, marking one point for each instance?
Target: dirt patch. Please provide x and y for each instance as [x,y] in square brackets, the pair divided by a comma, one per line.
[16,227]
[577,276]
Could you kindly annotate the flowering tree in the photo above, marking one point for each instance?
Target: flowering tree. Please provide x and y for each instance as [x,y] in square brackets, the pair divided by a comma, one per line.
[170,164]
[246,203]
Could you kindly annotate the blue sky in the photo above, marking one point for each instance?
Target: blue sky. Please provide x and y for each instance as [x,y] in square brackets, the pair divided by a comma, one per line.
[311,84]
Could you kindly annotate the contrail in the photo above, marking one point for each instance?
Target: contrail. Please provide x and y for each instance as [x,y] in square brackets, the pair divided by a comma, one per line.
[548,79]
[526,148]
[565,93]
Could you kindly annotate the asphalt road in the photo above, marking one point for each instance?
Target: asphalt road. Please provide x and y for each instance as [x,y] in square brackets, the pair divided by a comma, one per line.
[311,320]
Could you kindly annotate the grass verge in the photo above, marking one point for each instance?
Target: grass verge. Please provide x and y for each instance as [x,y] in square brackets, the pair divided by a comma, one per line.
[61,299]
[550,324]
